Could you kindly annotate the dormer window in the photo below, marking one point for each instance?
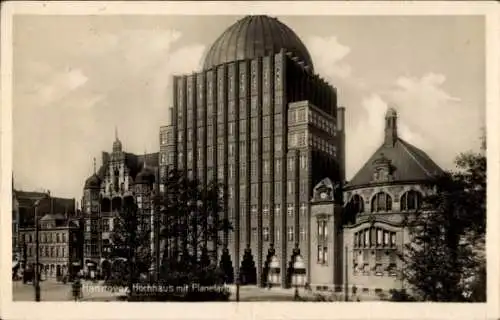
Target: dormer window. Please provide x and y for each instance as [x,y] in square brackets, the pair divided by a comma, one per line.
[382,171]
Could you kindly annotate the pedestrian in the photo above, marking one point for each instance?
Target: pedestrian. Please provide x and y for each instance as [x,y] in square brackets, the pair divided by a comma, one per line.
[77,289]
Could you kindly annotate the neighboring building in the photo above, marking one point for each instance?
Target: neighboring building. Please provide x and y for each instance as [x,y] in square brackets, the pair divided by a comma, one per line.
[258,119]
[60,244]
[23,212]
[122,176]
[368,232]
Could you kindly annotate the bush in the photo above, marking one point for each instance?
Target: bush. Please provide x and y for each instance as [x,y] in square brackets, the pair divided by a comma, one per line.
[401,296]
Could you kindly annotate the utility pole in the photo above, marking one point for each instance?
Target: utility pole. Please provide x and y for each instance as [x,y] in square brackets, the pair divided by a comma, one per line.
[346,283]
[37,254]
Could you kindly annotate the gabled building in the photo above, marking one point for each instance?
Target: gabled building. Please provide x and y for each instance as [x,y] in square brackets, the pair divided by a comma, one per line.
[367,231]
[122,176]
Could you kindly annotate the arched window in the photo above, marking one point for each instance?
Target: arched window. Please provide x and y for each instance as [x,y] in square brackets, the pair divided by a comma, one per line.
[381,202]
[411,200]
[356,204]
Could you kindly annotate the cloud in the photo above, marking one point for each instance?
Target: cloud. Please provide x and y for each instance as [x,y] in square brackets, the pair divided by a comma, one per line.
[428,117]
[328,54]
[121,79]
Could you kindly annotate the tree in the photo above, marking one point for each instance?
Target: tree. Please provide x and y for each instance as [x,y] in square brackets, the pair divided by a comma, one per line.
[130,250]
[443,258]
[192,228]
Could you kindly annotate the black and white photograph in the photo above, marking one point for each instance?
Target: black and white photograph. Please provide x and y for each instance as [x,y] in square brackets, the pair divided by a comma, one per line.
[248,154]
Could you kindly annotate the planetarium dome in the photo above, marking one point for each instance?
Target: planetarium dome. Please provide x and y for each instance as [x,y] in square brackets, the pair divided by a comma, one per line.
[252,37]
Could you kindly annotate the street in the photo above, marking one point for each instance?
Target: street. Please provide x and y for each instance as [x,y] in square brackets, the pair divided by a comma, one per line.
[57,291]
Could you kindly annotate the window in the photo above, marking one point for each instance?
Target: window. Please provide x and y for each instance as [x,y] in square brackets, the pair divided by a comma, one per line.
[253,168]
[290,233]
[356,204]
[265,124]
[277,210]
[379,237]
[253,126]
[243,170]
[290,164]
[302,234]
[265,190]
[58,237]
[254,233]
[230,192]
[277,167]
[265,233]
[381,202]
[243,150]
[105,225]
[267,144]
[290,186]
[322,254]
[411,200]
[220,172]
[231,149]
[231,170]
[378,269]
[277,143]
[386,238]
[52,253]
[277,234]
[303,161]
[254,147]
[243,127]
[289,209]
[277,189]
[393,239]
[265,211]
[64,237]
[265,166]
[254,210]
[303,209]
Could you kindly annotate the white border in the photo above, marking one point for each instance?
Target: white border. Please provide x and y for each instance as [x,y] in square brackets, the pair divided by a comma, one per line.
[267,310]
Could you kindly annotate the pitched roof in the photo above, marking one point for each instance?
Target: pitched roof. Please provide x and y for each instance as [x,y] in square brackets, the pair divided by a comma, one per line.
[404,161]
[408,162]
[134,163]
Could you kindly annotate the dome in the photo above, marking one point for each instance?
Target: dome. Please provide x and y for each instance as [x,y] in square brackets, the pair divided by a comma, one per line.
[146,176]
[94,182]
[252,37]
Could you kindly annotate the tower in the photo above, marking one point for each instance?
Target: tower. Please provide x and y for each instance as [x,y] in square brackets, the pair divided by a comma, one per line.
[260,121]
[144,193]
[91,216]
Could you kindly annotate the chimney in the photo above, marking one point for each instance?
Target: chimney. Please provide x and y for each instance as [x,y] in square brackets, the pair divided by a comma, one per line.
[391,127]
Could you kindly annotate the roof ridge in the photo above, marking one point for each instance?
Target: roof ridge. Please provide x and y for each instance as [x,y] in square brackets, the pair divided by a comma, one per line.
[405,147]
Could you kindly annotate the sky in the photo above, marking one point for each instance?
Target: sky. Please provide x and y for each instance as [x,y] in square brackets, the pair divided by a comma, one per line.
[76,78]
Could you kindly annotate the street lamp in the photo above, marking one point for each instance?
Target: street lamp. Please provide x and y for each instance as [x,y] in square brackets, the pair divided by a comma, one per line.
[273,276]
[299,275]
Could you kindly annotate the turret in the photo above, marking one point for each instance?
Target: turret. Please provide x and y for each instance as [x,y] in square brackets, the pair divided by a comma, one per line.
[391,127]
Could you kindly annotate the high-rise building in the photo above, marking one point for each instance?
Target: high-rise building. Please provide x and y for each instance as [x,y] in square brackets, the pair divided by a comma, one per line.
[258,119]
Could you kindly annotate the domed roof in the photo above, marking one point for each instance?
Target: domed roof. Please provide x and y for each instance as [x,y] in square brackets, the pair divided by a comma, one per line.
[146,176]
[255,36]
[93,182]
